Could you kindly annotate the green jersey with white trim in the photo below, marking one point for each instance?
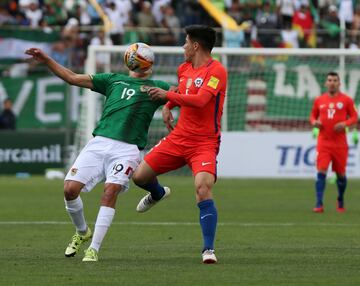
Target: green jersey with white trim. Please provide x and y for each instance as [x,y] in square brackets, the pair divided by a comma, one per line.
[128,109]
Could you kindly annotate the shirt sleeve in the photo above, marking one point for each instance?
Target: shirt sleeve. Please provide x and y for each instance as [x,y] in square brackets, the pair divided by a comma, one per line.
[314,115]
[193,100]
[352,112]
[215,80]
[101,82]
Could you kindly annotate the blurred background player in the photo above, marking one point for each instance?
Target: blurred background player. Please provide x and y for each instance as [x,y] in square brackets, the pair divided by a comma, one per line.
[7,116]
[113,154]
[196,138]
[332,112]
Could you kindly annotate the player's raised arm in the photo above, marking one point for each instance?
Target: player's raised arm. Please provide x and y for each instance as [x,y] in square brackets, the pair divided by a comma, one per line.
[81,80]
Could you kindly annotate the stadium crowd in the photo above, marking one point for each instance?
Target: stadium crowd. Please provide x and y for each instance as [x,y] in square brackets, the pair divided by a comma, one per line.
[274,23]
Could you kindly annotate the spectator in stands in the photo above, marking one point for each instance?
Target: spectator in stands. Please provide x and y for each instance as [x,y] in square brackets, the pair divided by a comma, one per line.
[172,22]
[303,23]
[289,37]
[7,116]
[118,22]
[331,26]
[234,39]
[234,11]
[34,13]
[20,19]
[266,23]
[81,15]
[346,12]
[285,9]
[94,16]
[145,18]
[102,59]
[355,32]
[158,10]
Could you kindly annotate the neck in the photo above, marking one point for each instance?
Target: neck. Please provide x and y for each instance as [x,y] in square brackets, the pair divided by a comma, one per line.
[200,59]
[139,75]
[333,93]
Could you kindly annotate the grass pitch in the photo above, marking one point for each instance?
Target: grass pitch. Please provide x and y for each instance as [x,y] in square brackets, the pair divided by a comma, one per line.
[267,235]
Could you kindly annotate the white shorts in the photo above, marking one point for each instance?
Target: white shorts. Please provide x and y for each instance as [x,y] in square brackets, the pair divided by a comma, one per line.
[105,159]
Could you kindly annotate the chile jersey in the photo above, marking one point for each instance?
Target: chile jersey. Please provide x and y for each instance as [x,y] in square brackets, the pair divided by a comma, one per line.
[202,123]
[331,110]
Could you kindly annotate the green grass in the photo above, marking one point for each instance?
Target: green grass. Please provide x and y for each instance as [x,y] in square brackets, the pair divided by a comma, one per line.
[267,235]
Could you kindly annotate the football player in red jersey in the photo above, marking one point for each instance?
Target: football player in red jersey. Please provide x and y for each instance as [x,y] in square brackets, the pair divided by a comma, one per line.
[195,139]
[332,112]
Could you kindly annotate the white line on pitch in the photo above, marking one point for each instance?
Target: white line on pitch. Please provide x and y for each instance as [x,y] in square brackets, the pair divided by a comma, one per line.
[290,224]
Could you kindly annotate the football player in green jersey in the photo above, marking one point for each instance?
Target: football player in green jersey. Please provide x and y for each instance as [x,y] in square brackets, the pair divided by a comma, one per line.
[114,152]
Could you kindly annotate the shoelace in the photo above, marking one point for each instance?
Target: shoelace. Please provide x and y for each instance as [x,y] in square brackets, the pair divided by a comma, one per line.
[149,200]
[76,239]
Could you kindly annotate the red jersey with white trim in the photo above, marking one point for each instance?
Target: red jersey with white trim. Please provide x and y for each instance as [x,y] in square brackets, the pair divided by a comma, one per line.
[201,123]
[331,110]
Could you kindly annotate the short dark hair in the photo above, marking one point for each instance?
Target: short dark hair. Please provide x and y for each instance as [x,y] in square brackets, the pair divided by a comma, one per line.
[332,73]
[205,35]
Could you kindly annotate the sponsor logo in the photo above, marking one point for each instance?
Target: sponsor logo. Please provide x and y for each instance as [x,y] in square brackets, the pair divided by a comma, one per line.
[205,163]
[204,216]
[198,82]
[322,106]
[73,171]
[213,82]
[45,154]
[331,105]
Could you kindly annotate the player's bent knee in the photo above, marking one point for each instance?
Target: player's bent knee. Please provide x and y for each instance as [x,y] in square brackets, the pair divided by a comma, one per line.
[72,190]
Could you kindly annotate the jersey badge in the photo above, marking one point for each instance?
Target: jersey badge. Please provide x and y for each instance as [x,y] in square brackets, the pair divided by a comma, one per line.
[331,105]
[144,88]
[213,82]
[188,83]
[198,82]
[73,171]
[339,105]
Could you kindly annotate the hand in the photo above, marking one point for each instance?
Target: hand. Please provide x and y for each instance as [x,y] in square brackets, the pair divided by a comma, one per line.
[173,88]
[340,126]
[156,93]
[315,132]
[168,118]
[317,123]
[37,55]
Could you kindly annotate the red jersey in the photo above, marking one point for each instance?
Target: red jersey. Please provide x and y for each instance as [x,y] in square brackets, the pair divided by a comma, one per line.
[201,94]
[331,110]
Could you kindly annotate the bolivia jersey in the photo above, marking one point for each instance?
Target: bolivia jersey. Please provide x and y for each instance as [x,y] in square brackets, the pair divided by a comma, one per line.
[201,123]
[128,110]
[331,110]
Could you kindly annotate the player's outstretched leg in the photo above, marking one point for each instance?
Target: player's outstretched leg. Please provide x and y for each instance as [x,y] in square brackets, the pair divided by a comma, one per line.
[341,184]
[320,187]
[150,199]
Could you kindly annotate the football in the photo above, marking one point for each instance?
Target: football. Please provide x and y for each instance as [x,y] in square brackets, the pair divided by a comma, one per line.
[139,57]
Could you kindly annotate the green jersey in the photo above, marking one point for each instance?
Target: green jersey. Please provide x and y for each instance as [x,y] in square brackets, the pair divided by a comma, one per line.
[128,110]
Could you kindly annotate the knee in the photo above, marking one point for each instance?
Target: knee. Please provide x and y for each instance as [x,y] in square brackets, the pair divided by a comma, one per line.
[203,191]
[139,178]
[71,190]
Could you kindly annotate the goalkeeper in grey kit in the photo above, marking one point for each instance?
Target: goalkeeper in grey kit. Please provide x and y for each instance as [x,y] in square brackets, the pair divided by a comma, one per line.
[114,152]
